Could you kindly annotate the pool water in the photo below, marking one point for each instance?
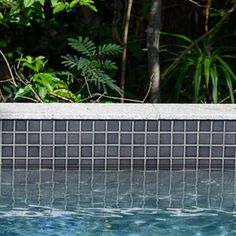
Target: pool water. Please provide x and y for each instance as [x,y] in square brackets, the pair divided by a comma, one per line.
[46,202]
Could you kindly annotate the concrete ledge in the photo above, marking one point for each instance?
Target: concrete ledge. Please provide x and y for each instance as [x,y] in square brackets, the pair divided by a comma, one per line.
[117,111]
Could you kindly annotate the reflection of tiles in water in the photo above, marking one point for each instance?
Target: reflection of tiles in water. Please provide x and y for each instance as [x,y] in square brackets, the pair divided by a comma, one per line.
[73,190]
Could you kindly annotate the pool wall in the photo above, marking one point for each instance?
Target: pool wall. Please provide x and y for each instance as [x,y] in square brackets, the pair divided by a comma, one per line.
[117,136]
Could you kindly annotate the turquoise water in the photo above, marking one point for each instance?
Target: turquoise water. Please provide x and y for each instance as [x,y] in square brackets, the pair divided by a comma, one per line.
[117,203]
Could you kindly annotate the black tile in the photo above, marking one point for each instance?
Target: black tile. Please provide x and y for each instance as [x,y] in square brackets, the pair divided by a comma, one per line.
[152,125]
[112,164]
[178,126]
[7,125]
[230,152]
[60,138]
[165,151]
[205,125]
[113,125]
[152,138]
[46,151]
[165,125]
[217,151]
[47,138]
[216,163]
[60,151]
[33,138]
[60,164]
[21,125]
[230,126]
[165,138]
[138,164]
[20,151]
[125,151]
[86,151]
[191,126]
[73,151]
[99,164]
[151,164]
[204,138]
[100,125]
[7,151]
[191,151]
[178,151]
[204,151]
[139,139]
[60,125]
[191,138]
[177,164]
[73,164]
[230,139]
[7,163]
[20,138]
[33,151]
[164,164]
[138,151]
[139,125]
[112,138]
[73,138]
[86,164]
[217,138]
[33,164]
[86,138]
[203,164]
[229,164]
[218,126]
[190,163]
[74,125]
[99,138]
[112,151]
[7,138]
[178,138]
[126,125]
[34,125]
[86,125]
[125,164]
[47,125]
[46,164]
[125,138]
[20,163]
[151,151]
[99,151]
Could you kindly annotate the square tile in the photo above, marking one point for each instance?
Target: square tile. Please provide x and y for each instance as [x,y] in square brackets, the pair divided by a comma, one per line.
[7,138]
[7,125]
[204,151]
[60,151]
[86,164]
[73,164]
[73,138]
[205,125]
[113,125]
[230,152]
[138,164]
[230,139]
[178,138]
[73,151]
[191,151]
[125,151]
[20,163]
[230,126]
[21,125]
[203,164]
[178,126]
[165,125]
[126,125]
[47,138]
[99,151]
[152,126]
[100,125]
[34,125]
[46,151]
[125,138]
[74,125]
[138,151]
[216,163]
[7,151]
[112,138]
[99,138]
[60,138]
[33,151]
[20,151]
[191,125]
[218,126]
[151,164]
[60,125]
[125,164]
[177,164]
[164,164]
[33,164]
[47,125]
[151,151]
[86,125]
[178,151]
[217,151]
[152,138]
[46,164]
[99,164]
[86,138]
[139,139]
[33,138]
[191,138]
[86,151]
[204,138]
[112,151]
[165,138]
[139,125]
[217,138]
[165,151]
[112,164]
[20,138]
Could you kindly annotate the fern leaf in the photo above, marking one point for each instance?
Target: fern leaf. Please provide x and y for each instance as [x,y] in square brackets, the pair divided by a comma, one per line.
[109,49]
[84,46]
[107,65]
[70,61]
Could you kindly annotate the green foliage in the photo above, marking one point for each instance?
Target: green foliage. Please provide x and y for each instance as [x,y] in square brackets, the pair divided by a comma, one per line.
[42,85]
[93,64]
[26,11]
[204,72]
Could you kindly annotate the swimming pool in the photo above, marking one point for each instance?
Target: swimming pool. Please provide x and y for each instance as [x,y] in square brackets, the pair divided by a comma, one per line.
[50,202]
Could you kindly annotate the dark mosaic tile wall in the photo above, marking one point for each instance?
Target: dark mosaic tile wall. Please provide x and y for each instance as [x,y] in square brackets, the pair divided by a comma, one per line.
[114,144]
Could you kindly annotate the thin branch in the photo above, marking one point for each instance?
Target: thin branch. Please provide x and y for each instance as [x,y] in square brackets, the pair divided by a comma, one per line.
[197,4]
[176,61]
[9,68]
[208,7]
[228,97]
[149,90]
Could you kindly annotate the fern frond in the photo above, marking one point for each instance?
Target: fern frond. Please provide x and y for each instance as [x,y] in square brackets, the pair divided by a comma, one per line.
[109,49]
[85,46]
[70,61]
[107,65]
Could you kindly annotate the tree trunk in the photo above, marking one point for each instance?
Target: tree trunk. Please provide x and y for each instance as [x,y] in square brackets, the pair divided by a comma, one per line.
[153,38]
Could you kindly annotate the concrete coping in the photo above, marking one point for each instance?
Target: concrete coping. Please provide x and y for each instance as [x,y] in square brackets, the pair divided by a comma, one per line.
[117,111]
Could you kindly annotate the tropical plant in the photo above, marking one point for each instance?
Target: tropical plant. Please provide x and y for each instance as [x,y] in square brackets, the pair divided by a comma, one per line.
[203,71]
[93,64]
[41,85]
